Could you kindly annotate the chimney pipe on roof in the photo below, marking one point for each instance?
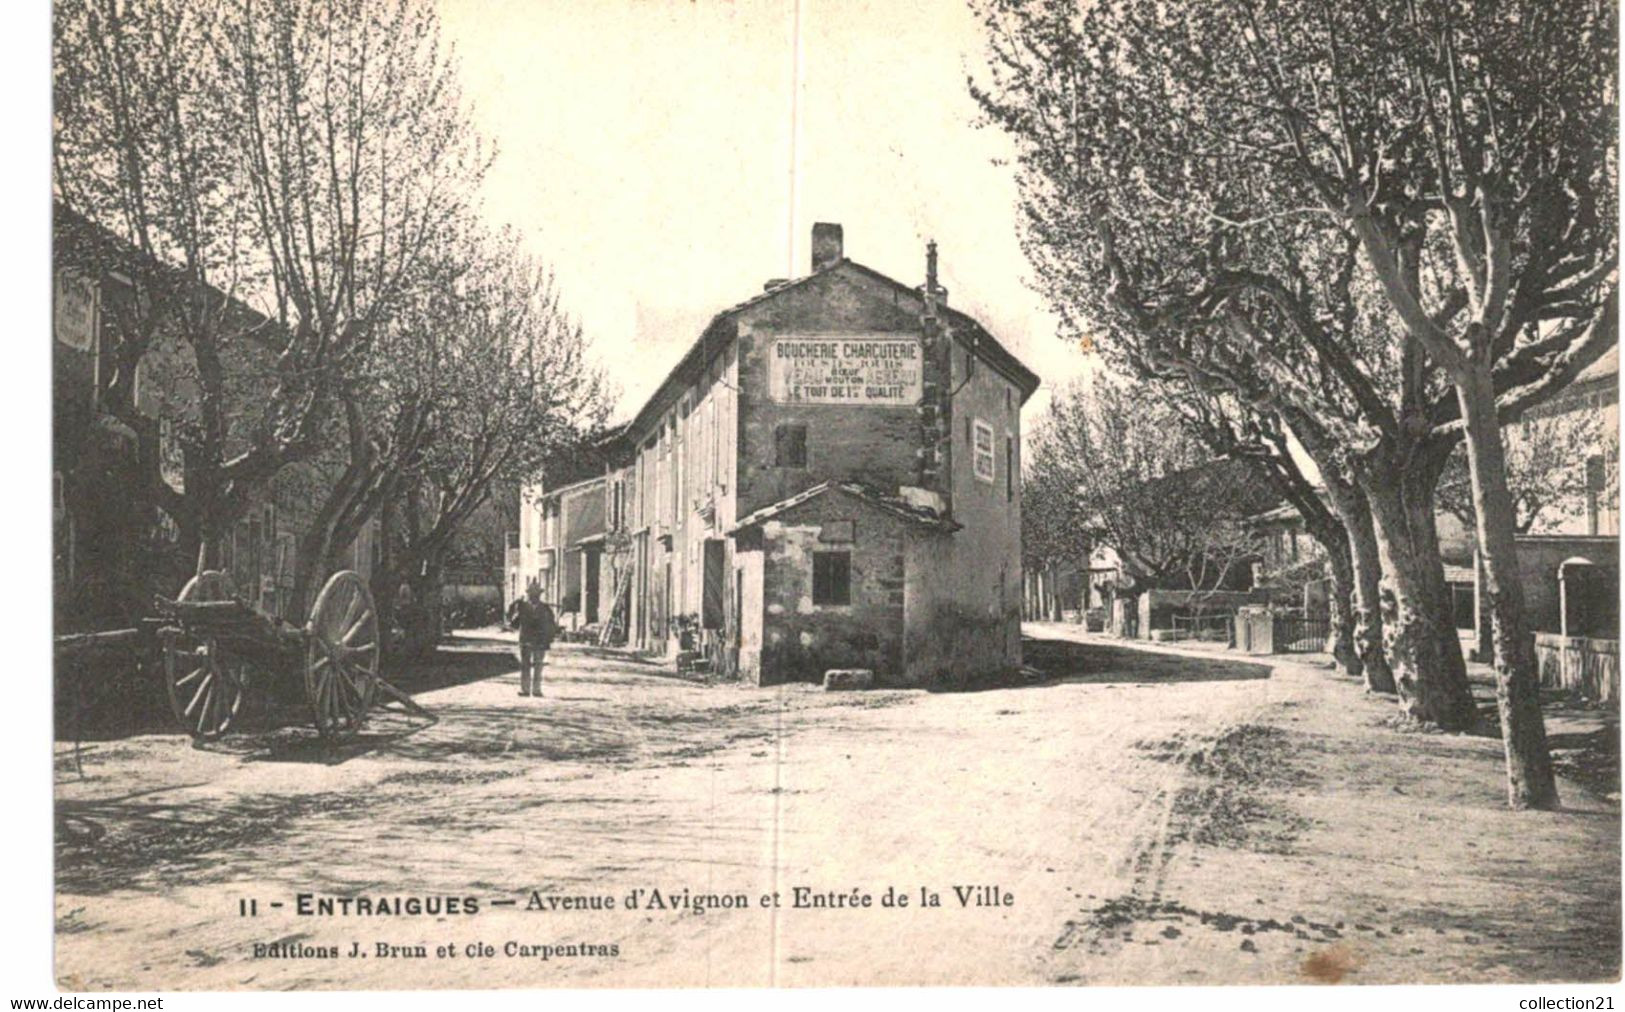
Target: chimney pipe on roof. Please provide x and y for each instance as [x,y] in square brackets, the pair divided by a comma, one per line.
[935,295]
[826,245]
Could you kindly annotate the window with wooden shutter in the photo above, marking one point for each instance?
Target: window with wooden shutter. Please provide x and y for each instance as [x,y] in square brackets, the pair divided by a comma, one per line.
[982,462]
[1009,469]
[790,445]
[832,578]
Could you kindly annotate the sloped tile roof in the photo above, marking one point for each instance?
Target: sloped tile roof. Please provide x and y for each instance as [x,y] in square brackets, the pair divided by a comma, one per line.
[922,515]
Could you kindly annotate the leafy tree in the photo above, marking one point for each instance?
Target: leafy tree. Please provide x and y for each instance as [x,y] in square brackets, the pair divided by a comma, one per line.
[513,388]
[1393,223]
[292,155]
[1141,485]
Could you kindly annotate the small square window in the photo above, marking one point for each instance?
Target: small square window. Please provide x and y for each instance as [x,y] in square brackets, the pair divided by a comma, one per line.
[832,578]
[790,445]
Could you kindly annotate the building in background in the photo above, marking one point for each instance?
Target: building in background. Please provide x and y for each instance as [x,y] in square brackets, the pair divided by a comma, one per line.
[1570,562]
[472,590]
[1569,558]
[829,478]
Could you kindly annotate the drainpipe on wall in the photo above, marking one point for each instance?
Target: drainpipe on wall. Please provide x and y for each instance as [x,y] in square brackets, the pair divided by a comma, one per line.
[935,449]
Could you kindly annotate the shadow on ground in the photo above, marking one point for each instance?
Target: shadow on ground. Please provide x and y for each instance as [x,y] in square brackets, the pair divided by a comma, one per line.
[1063,661]
[111,701]
[1581,750]
[151,836]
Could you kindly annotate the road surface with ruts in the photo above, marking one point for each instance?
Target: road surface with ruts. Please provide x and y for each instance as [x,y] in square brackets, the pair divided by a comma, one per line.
[1138,815]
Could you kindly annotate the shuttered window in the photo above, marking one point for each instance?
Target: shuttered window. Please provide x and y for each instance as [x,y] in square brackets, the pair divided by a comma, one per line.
[832,578]
[790,445]
[1009,469]
[982,463]
[711,616]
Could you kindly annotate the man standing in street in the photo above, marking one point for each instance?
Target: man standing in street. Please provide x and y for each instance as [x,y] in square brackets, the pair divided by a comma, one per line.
[536,625]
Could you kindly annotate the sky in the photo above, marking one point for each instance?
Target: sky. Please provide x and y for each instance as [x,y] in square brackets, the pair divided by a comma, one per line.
[668,158]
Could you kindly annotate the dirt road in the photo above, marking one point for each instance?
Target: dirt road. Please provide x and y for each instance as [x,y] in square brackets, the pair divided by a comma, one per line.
[1148,816]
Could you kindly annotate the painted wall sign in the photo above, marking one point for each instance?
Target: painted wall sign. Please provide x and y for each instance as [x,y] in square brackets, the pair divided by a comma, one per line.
[849,369]
[74,310]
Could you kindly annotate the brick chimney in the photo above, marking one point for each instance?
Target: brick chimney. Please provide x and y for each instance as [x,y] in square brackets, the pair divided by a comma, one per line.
[826,245]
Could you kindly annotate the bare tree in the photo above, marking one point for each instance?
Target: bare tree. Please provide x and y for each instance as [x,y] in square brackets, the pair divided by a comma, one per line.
[147,193]
[1549,472]
[1145,487]
[1469,149]
[387,412]
[1055,524]
[359,156]
[1233,430]
[1126,196]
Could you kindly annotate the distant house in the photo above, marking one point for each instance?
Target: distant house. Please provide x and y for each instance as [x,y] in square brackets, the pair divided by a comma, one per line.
[1196,589]
[1594,396]
[565,523]
[1570,566]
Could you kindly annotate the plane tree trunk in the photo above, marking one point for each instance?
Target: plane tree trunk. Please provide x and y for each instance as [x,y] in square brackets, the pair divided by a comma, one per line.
[1365,566]
[1365,572]
[1341,609]
[1530,783]
[1430,673]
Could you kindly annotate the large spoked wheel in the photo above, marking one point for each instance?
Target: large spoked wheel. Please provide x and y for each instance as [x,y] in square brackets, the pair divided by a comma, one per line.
[206,686]
[341,660]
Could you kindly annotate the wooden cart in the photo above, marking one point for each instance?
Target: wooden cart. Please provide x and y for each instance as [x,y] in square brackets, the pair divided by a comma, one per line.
[214,646]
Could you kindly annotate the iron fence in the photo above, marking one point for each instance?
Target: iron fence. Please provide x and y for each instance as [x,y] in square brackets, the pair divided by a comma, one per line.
[1299,634]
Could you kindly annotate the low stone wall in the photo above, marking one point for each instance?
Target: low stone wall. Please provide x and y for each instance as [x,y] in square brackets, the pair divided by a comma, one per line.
[1586,667]
[1158,608]
[471,593]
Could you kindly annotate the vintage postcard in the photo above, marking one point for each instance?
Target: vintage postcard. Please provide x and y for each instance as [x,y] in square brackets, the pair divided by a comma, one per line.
[786,493]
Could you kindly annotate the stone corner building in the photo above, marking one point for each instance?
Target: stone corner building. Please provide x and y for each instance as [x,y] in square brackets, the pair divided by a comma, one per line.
[828,479]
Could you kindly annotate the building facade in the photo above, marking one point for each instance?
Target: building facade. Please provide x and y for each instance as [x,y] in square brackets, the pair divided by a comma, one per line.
[829,478]
[117,455]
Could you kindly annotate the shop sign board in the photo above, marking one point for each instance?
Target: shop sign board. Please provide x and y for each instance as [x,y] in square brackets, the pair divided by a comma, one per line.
[874,369]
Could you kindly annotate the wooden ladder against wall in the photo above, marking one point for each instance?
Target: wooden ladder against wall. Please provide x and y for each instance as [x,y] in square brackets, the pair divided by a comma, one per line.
[616,622]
